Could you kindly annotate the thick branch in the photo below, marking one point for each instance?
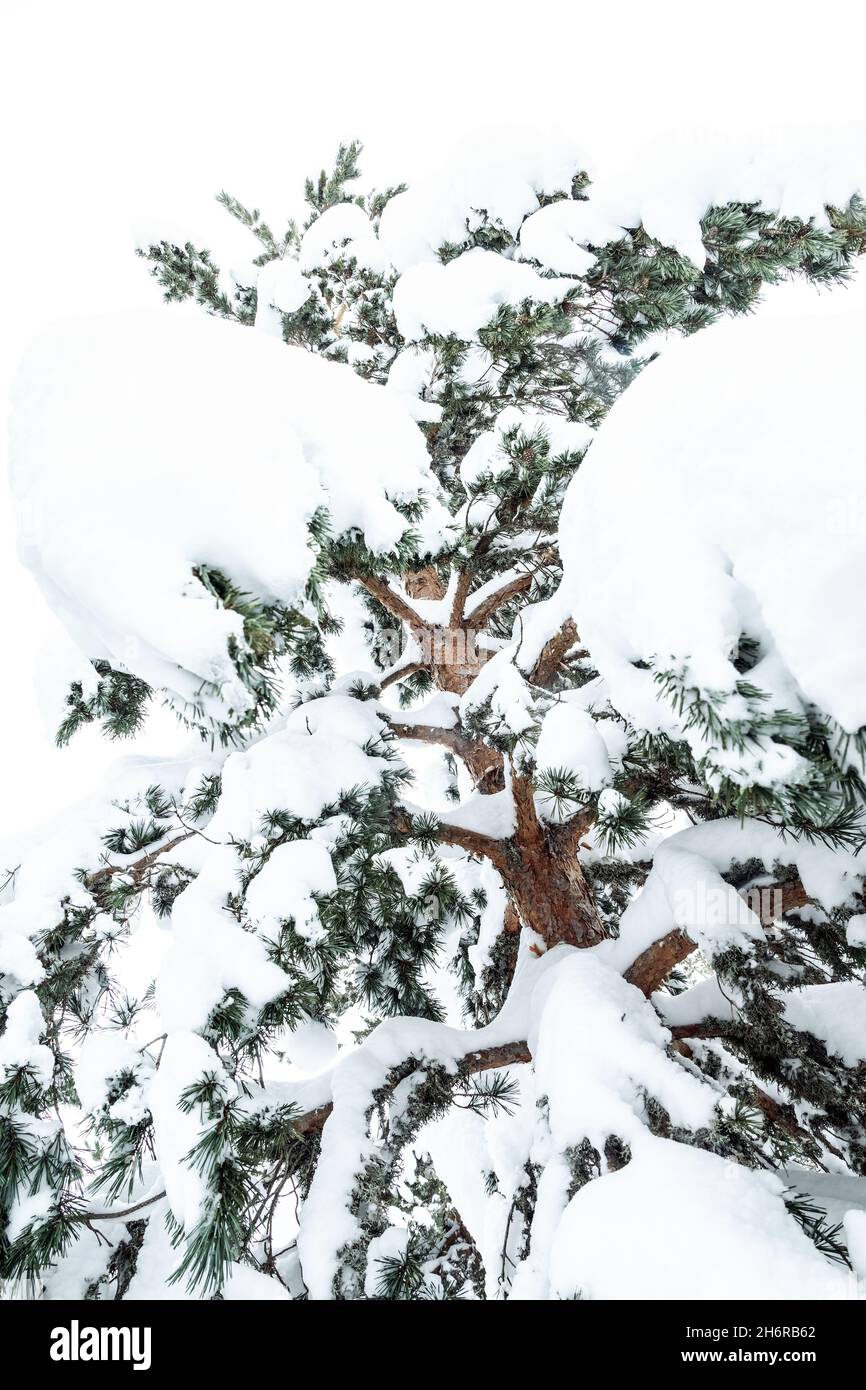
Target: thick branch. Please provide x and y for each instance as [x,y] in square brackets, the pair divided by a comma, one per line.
[395,604]
[518,584]
[424,583]
[461,593]
[484,763]
[473,841]
[553,653]
[653,965]
[478,616]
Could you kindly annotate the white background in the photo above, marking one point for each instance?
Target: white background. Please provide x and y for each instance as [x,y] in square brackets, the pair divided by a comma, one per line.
[117,111]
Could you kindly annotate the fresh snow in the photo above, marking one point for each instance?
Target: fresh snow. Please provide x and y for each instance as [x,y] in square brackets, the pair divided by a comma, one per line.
[285,886]
[463,295]
[731,1237]
[685,887]
[127,432]
[186,1060]
[835,1013]
[752,483]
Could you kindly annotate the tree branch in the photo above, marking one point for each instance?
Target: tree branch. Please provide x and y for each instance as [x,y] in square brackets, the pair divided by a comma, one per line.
[484,762]
[123,1212]
[461,593]
[139,866]
[477,616]
[402,673]
[652,967]
[553,653]
[473,841]
[396,605]
[486,1059]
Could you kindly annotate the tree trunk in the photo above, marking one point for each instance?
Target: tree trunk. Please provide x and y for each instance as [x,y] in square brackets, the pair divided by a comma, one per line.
[544,878]
[552,896]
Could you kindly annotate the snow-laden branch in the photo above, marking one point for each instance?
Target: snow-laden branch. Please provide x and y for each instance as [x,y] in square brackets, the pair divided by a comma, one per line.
[407,1069]
[395,603]
[653,966]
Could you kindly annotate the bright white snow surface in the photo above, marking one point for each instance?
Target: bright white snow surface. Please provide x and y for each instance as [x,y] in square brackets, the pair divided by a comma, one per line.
[724,495]
[615,1240]
[666,184]
[598,1048]
[142,445]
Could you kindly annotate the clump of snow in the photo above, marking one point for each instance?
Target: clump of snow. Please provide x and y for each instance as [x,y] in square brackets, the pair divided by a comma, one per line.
[186,1059]
[495,176]
[732,1236]
[311,1046]
[103,1057]
[835,1013]
[570,739]
[210,952]
[390,1245]
[19,1044]
[855,931]
[463,295]
[411,377]
[281,288]
[155,434]
[342,232]
[737,446]
[554,234]
[285,885]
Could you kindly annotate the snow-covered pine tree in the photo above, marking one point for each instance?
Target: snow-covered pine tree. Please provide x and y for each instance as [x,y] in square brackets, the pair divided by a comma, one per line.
[596,973]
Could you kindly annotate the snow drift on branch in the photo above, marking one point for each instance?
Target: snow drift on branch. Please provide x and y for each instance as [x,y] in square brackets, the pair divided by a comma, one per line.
[143,445]
[756,495]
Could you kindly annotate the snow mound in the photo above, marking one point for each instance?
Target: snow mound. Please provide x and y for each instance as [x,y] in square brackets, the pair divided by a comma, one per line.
[735,460]
[732,1236]
[462,296]
[668,183]
[142,445]
[495,175]
[835,1013]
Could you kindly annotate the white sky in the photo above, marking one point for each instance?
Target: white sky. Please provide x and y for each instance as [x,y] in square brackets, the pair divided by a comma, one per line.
[116,111]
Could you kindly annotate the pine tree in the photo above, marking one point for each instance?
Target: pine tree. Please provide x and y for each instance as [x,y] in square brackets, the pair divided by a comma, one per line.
[369,910]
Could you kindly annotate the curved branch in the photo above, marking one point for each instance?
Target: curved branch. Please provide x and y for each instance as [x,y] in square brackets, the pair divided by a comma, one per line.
[652,967]
[518,584]
[473,841]
[484,762]
[139,866]
[395,604]
[553,653]
[123,1212]
[402,674]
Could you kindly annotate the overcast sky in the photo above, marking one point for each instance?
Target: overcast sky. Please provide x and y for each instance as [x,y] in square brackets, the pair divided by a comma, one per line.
[114,112]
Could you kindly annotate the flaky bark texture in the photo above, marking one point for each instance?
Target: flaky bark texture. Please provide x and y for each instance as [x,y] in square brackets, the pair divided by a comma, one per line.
[539,864]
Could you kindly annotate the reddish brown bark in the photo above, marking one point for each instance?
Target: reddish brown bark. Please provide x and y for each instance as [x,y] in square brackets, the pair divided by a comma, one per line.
[653,965]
